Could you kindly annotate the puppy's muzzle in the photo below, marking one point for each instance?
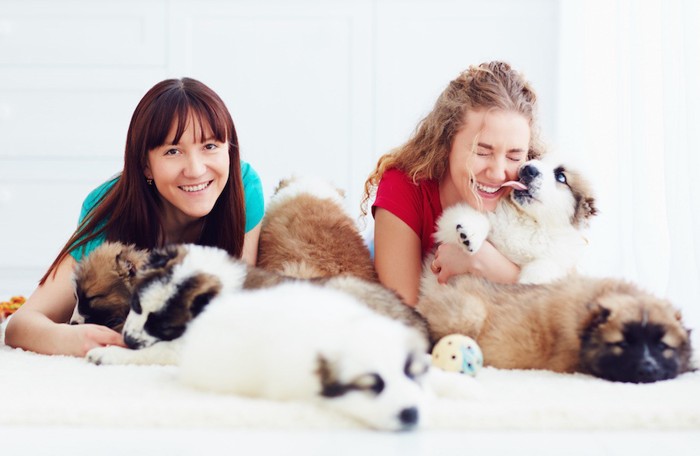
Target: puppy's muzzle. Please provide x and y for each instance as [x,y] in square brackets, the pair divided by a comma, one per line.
[528,173]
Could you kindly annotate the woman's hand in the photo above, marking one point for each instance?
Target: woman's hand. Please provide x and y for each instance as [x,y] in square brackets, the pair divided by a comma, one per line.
[487,262]
[80,339]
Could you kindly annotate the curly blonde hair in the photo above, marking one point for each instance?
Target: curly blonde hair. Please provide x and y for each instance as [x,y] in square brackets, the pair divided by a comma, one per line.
[490,85]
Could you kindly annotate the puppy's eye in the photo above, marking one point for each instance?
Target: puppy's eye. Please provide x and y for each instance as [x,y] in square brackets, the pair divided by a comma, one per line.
[136,303]
[662,346]
[560,177]
[370,382]
[621,344]
[414,368]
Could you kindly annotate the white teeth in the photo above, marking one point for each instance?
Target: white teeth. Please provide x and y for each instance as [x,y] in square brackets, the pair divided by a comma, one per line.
[485,189]
[194,188]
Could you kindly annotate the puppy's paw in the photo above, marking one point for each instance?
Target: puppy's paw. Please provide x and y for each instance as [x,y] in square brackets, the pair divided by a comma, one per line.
[109,355]
[464,226]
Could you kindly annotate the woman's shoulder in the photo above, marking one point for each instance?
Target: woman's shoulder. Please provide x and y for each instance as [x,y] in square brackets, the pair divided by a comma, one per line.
[96,195]
[395,179]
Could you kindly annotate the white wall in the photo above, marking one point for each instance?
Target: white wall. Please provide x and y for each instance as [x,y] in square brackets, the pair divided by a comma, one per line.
[317,87]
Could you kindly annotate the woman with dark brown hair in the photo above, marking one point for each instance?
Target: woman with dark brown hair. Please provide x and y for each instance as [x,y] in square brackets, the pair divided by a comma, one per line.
[182,182]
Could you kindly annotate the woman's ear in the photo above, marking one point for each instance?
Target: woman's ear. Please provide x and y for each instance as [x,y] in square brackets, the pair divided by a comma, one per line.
[147,172]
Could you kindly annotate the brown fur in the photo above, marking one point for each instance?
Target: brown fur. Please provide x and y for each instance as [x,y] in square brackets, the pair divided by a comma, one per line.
[308,237]
[104,282]
[542,326]
[585,202]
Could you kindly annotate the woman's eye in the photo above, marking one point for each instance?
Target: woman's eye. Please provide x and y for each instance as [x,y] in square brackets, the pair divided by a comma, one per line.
[171,152]
[560,177]
[211,146]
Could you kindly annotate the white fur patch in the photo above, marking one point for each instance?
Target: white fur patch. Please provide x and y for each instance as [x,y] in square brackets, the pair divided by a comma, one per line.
[306,185]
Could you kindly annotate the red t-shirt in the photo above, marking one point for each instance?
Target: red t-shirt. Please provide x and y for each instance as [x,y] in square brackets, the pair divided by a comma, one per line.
[417,205]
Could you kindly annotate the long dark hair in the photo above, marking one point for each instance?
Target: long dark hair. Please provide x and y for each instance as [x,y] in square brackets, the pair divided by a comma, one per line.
[130,211]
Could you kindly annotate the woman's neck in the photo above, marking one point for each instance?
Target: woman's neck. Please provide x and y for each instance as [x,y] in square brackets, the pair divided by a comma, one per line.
[186,234]
[449,196]
[181,229]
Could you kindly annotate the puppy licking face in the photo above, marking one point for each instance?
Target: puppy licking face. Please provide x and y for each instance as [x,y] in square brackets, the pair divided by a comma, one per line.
[104,282]
[554,192]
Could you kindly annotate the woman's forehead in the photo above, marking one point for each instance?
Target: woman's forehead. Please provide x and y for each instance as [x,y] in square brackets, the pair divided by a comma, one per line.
[193,127]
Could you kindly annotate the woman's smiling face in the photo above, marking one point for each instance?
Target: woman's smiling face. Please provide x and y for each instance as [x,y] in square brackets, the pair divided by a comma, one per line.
[191,174]
[485,153]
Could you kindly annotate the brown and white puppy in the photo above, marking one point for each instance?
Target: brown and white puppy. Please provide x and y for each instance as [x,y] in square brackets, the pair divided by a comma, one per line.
[306,233]
[604,327]
[539,227]
[104,282]
[178,282]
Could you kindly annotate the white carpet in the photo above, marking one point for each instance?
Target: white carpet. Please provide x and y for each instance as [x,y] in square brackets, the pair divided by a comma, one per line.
[57,390]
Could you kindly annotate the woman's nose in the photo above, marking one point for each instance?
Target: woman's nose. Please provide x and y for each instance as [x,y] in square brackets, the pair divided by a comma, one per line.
[195,165]
[497,169]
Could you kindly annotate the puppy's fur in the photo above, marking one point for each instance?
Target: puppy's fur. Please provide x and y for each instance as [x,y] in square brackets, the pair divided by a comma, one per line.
[104,282]
[300,341]
[306,233]
[178,281]
[289,339]
[603,327]
[537,228]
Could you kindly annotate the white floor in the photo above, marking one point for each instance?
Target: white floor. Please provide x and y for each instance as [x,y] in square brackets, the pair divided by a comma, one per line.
[156,442]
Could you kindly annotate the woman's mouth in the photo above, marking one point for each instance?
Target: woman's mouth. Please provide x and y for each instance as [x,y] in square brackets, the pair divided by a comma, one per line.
[488,190]
[195,188]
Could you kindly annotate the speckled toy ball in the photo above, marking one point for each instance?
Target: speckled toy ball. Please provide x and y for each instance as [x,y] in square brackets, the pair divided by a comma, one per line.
[458,353]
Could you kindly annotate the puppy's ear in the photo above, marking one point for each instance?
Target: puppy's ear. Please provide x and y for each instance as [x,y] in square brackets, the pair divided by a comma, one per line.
[158,258]
[199,290]
[585,208]
[282,183]
[598,314]
[125,267]
[330,386]
[678,315]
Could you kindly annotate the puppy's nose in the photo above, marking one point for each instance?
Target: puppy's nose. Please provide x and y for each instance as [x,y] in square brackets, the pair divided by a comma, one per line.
[131,342]
[409,417]
[527,173]
[647,371]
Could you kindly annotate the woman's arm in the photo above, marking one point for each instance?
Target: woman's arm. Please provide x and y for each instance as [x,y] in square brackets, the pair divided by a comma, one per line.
[250,246]
[40,324]
[397,255]
[489,263]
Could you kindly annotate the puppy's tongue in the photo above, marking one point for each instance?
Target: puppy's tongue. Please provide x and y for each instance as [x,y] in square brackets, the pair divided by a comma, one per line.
[515,184]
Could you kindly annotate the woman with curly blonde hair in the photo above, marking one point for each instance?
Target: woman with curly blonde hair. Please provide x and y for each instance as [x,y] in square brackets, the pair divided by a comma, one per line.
[481,129]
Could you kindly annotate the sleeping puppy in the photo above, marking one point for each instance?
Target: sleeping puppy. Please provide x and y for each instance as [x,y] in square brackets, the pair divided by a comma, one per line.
[301,341]
[104,282]
[307,233]
[602,327]
[538,227]
[178,281]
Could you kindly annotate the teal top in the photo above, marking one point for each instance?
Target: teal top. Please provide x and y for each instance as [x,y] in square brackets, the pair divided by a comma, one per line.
[254,206]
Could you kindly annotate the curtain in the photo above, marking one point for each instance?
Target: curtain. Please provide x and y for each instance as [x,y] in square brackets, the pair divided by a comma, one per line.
[628,114]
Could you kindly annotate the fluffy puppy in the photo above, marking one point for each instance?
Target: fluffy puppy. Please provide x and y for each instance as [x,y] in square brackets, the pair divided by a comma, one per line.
[300,341]
[178,281]
[104,282]
[538,227]
[306,233]
[603,327]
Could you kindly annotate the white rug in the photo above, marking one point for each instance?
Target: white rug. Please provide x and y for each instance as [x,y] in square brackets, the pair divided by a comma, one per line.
[58,390]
